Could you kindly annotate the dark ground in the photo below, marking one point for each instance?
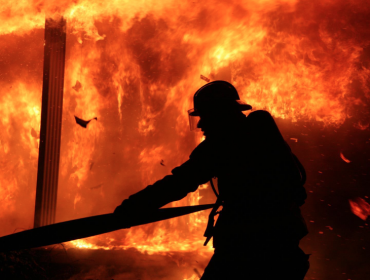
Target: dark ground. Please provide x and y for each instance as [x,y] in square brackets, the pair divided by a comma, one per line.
[58,264]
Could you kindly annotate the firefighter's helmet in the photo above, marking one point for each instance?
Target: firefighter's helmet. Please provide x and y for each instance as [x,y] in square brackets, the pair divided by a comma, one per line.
[217,97]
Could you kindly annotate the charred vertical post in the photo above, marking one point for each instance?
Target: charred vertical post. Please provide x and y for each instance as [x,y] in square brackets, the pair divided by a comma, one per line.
[51,121]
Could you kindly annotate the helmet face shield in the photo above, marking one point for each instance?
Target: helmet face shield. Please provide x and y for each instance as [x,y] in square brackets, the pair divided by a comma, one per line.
[193,121]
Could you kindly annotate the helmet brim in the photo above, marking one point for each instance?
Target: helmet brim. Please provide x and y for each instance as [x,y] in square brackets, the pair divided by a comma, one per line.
[241,106]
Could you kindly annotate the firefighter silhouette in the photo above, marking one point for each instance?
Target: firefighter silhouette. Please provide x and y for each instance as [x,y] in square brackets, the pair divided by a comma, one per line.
[260,184]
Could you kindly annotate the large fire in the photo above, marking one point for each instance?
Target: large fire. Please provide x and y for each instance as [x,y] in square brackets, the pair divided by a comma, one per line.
[135,66]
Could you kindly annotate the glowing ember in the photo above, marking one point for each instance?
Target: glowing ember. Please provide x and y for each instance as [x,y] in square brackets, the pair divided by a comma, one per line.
[360,208]
[344,158]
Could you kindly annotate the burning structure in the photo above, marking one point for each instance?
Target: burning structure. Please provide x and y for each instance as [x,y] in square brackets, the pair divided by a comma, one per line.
[135,66]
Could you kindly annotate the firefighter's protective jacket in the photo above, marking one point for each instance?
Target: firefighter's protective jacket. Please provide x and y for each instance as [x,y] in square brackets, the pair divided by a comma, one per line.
[259,181]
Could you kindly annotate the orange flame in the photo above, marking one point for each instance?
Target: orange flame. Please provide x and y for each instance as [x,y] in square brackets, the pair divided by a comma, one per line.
[139,64]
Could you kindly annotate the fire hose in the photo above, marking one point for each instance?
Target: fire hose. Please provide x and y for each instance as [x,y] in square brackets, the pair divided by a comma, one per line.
[90,226]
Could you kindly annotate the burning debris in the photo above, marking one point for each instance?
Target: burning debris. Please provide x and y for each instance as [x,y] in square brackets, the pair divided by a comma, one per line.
[35,134]
[77,86]
[84,123]
[344,158]
[205,78]
[197,273]
[96,187]
[360,208]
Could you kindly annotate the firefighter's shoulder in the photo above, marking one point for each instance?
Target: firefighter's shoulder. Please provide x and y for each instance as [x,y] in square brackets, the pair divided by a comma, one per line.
[202,150]
[263,124]
[260,115]
[261,118]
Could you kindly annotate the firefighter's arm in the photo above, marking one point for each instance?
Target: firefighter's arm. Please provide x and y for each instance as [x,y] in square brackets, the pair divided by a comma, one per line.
[184,179]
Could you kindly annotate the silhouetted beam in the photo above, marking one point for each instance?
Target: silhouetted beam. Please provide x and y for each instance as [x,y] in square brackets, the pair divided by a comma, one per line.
[86,227]
[51,121]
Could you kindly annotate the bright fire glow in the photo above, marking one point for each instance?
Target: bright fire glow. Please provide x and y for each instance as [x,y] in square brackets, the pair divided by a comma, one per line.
[138,64]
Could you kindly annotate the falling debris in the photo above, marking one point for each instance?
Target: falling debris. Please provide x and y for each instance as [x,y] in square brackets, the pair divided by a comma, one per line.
[34,134]
[162,162]
[205,78]
[294,139]
[360,208]
[77,86]
[197,273]
[96,187]
[344,158]
[82,122]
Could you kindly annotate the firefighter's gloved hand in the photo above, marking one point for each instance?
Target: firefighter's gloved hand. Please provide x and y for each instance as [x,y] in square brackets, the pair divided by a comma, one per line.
[131,210]
[128,213]
[125,208]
